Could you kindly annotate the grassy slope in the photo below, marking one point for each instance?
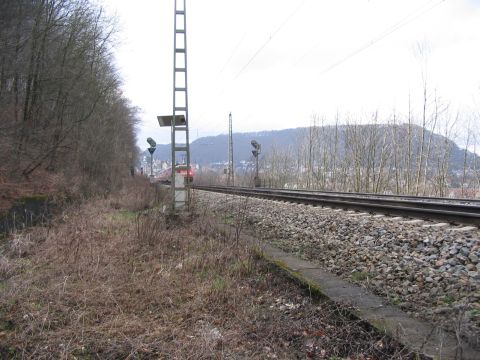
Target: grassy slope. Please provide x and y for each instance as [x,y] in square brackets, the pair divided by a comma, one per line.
[106,282]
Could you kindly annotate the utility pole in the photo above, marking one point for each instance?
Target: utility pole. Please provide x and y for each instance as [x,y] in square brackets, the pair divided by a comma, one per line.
[230,170]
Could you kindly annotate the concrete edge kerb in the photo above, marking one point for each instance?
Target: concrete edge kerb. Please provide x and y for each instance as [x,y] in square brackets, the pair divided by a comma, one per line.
[417,335]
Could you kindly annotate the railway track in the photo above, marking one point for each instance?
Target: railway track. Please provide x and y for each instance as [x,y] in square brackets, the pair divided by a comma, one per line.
[457,211]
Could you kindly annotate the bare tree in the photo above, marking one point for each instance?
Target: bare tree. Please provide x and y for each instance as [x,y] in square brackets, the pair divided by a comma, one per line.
[60,95]
[422,54]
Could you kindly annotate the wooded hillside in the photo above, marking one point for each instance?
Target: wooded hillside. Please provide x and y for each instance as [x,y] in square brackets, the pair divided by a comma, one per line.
[61,107]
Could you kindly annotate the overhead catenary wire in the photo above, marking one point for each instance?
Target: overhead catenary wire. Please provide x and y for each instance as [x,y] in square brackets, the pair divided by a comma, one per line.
[232,54]
[410,14]
[400,24]
[410,17]
[257,52]
[263,46]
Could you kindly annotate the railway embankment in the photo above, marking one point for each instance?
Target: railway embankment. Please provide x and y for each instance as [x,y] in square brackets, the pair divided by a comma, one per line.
[431,270]
[116,277]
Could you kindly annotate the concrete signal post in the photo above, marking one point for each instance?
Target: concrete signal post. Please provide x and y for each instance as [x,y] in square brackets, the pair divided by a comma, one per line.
[255,153]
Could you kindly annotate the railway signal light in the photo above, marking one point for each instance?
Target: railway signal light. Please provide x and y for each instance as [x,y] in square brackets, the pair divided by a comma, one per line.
[152,142]
[257,147]
[151,150]
[255,153]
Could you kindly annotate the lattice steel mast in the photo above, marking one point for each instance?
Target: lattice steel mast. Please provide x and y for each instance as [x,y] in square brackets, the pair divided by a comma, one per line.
[179,129]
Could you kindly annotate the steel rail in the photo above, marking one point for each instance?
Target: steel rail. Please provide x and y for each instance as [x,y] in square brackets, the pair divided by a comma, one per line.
[449,212]
[433,205]
[392,196]
[381,196]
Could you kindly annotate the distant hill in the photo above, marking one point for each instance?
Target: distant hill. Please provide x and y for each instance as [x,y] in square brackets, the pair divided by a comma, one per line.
[214,149]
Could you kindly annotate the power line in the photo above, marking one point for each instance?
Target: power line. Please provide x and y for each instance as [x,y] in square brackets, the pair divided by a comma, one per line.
[232,54]
[412,16]
[287,19]
[405,21]
[396,24]
[269,39]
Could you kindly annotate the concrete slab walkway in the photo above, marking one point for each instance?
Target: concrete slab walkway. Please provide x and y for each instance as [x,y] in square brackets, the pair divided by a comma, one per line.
[418,335]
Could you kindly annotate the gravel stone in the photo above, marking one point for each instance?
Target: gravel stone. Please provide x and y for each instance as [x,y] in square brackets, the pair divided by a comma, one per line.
[428,268]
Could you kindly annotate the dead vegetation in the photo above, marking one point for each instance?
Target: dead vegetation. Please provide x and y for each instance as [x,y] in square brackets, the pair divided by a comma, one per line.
[105,282]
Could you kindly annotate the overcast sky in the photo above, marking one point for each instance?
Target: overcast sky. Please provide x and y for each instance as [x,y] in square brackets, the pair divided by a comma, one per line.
[275,63]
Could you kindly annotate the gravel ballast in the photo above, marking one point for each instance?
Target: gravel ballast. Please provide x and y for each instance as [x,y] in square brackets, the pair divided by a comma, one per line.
[429,269]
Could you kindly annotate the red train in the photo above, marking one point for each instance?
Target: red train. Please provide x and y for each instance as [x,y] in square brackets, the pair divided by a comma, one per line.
[165,176]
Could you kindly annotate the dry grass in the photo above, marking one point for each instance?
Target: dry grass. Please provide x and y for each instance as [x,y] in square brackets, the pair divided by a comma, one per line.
[105,282]
[44,183]
[138,194]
